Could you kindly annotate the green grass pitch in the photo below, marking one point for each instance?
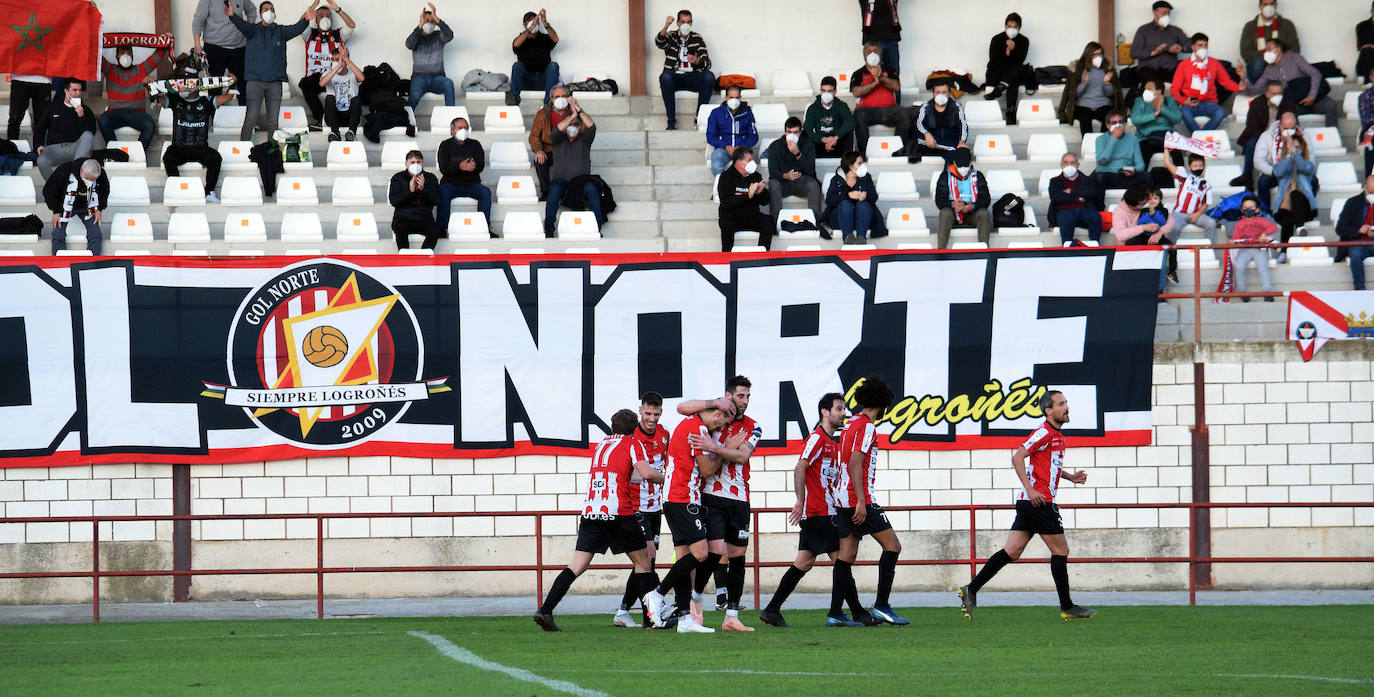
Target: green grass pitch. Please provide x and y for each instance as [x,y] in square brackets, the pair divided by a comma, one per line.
[1025,651]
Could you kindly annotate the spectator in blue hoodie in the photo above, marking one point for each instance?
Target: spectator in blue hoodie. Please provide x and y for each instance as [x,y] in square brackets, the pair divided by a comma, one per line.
[729,126]
[265,64]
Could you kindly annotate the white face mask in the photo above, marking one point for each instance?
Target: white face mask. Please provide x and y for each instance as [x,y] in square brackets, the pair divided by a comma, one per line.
[325,24]
[1116,127]
[1276,99]
[733,103]
[269,17]
[415,168]
[1148,95]
[963,171]
[1200,54]
[827,97]
[1097,61]
[1288,132]
[1369,198]
[572,132]
[429,28]
[685,28]
[560,103]
[941,99]
[794,138]
[1270,57]
[1164,21]
[1070,171]
[188,96]
[90,183]
[873,59]
[861,171]
[126,60]
[1268,11]
[529,26]
[1012,32]
[460,135]
[751,167]
[76,102]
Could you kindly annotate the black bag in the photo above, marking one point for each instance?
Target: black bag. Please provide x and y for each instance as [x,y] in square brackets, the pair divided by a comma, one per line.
[1052,74]
[1009,211]
[382,78]
[27,225]
[799,226]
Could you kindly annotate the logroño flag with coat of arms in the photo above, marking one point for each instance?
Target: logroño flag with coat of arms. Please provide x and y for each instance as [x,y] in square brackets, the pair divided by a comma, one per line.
[57,38]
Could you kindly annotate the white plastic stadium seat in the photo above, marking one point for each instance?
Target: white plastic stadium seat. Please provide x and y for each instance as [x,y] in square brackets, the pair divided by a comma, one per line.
[138,159]
[1240,107]
[244,228]
[880,149]
[17,191]
[516,190]
[131,228]
[897,186]
[188,228]
[228,119]
[522,225]
[1222,140]
[703,114]
[984,114]
[441,119]
[1089,149]
[1046,147]
[1005,181]
[504,120]
[235,155]
[1337,177]
[301,227]
[394,154]
[989,148]
[130,191]
[907,222]
[1309,256]
[400,131]
[1325,141]
[1220,176]
[164,121]
[1207,258]
[968,245]
[791,83]
[183,191]
[510,155]
[1351,105]
[346,156]
[1036,113]
[240,191]
[578,226]
[356,227]
[297,191]
[1043,188]
[468,226]
[292,119]
[185,166]
[769,118]
[797,215]
[352,191]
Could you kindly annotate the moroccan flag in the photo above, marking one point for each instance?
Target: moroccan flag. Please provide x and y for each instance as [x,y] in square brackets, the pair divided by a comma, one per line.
[59,38]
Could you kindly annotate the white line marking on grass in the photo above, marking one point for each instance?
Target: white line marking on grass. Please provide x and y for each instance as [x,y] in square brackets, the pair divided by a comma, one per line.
[732,671]
[1319,678]
[463,655]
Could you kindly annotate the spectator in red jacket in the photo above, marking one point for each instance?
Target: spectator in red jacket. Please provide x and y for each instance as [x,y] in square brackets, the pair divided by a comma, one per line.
[1195,87]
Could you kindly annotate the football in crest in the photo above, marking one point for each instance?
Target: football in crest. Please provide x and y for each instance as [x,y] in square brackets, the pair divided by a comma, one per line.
[324,347]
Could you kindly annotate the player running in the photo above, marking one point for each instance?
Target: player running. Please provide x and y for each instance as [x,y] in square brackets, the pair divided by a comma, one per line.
[1036,513]
[608,515]
[726,497]
[855,512]
[813,480]
[653,437]
[685,514]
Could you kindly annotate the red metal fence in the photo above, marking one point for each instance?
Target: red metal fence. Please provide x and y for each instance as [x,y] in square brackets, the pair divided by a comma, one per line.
[320,570]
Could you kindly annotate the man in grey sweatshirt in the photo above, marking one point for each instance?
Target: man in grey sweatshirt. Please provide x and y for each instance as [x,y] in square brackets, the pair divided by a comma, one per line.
[426,43]
[216,37]
[264,64]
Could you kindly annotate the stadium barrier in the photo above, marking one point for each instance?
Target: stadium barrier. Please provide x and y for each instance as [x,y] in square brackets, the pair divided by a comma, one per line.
[539,567]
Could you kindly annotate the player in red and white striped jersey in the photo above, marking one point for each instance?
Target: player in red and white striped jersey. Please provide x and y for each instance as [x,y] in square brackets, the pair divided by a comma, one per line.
[856,514]
[813,480]
[726,497]
[608,515]
[653,437]
[683,510]
[1036,513]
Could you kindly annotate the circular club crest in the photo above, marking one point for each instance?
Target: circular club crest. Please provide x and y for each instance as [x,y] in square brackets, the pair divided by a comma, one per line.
[324,355]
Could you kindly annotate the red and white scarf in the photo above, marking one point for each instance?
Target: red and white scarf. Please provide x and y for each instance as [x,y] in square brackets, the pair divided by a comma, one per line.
[955,195]
[319,49]
[868,16]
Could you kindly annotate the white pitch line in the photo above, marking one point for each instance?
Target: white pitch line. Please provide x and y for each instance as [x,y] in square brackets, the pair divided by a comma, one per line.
[1319,678]
[463,655]
[734,671]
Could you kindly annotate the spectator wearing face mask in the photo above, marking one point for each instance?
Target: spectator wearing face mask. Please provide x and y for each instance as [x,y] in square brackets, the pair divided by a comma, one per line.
[1257,32]
[426,44]
[1119,164]
[686,65]
[1270,149]
[1074,201]
[126,94]
[414,193]
[1194,195]
[193,117]
[534,68]
[461,161]
[1296,199]
[570,176]
[65,131]
[1155,113]
[1356,224]
[264,65]
[1257,231]
[323,40]
[1090,90]
[938,127]
[1007,68]
[342,107]
[851,202]
[1157,45]
[882,26]
[962,195]
[1263,111]
[742,193]
[1302,83]
[730,125]
[220,41]
[792,169]
[829,124]
[77,189]
[1195,87]
[541,134]
[879,93]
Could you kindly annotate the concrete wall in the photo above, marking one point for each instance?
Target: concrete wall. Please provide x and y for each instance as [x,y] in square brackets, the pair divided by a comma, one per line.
[1282,430]
[819,36]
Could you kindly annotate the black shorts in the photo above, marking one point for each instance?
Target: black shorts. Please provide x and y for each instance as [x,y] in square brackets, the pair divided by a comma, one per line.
[819,535]
[650,522]
[727,519]
[687,522]
[874,522]
[619,533]
[1038,520]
